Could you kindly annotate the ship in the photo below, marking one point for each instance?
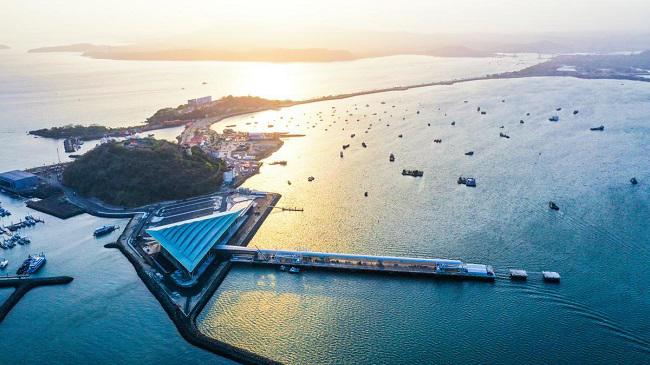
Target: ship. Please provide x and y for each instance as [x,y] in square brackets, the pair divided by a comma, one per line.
[31,265]
[104,230]
[414,173]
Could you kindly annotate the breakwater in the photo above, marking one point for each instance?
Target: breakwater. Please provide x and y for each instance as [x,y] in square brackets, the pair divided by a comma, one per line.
[23,285]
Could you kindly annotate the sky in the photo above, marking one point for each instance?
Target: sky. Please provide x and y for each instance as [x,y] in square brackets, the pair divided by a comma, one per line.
[31,23]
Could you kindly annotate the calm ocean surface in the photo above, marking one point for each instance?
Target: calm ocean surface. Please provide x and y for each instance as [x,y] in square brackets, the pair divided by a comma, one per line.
[599,240]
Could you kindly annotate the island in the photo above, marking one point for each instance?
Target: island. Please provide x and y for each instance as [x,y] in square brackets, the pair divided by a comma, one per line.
[143,171]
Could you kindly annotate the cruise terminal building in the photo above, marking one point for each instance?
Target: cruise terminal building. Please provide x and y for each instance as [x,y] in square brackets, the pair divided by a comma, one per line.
[189,244]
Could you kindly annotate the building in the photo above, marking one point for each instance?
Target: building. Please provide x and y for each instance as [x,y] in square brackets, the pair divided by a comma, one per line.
[18,181]
[228,177]
[189,244]
[200,101]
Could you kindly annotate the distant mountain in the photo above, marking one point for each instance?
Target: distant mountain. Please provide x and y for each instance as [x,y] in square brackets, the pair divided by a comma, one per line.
[255,55]
[2,46]
[458,51]
[77,47]
[326,45]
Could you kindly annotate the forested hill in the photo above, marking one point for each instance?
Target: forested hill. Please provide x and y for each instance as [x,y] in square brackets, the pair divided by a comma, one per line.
[136,176]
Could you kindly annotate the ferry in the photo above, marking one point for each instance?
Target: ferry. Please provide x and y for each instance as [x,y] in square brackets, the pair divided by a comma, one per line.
[414,173]
[104,230]
[31,265]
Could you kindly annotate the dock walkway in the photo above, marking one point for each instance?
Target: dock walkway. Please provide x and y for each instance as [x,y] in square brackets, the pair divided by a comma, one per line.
[337,261]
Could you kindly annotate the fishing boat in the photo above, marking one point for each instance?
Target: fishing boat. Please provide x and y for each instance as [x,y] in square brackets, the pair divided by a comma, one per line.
[414,173]
[104,230]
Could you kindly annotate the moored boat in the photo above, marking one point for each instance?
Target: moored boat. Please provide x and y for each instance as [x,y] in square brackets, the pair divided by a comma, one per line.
[104,230]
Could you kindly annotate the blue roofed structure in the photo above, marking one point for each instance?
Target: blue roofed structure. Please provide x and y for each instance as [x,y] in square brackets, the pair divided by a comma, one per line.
[189,242]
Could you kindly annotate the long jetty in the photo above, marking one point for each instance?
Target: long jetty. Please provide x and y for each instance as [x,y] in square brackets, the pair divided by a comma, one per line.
[22,285]
[442,268]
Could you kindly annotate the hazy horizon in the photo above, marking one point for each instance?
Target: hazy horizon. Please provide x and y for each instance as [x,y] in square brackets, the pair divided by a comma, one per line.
[42,23]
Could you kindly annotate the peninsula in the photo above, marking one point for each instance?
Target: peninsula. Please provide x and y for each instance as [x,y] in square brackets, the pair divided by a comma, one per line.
[169,117]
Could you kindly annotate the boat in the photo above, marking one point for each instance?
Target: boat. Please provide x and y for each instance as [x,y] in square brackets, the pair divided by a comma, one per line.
[365,194]
[601,128]
[634,181]
[294,270]
[553,206]
[391,158]
[470,153]
[36,263]
[467,181]
[400,136]
[311,178]
[504,135]
[270,126]
[283,268]
[31,265]
[575,112]
[341,154]
[283,163]
[352,135]
[231,126]
[288,182]
[554,118]
[104,230]
[345,146]
[3,263]
[414,173]
[364,144]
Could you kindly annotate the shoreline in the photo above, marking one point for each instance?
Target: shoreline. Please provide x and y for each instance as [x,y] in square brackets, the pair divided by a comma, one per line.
[207,123]
[186,324]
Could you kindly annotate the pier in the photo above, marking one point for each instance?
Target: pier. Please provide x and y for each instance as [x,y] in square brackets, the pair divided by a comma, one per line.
[442,268]
[288,209]
[23,284]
